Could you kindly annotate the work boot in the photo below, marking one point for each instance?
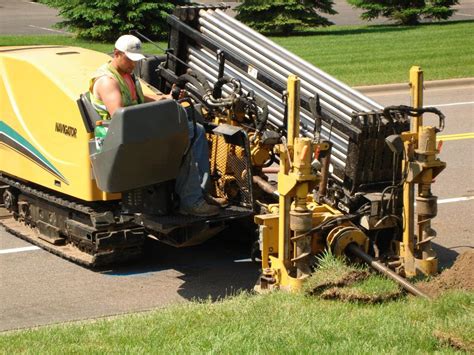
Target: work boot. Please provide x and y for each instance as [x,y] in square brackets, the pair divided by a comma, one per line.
[199,209]
[221,202]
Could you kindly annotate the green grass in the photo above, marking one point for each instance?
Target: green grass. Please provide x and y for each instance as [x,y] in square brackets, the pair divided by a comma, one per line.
[335,279]
[363,55]
[272,323]
[356,55]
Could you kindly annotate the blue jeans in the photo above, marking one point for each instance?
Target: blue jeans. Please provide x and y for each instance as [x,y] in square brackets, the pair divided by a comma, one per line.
[200,152]
[193,176]
[188,183]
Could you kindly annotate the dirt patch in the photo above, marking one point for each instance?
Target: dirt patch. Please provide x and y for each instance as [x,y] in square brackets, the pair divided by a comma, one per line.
[353,296]
[348,287]
[454,342]
[349,278]
[459,277]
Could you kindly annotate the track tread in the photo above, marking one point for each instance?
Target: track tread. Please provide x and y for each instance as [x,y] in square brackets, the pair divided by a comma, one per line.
[68,251]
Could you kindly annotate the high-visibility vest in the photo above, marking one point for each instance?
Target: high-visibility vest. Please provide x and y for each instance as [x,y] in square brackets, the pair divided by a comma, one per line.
[127,100]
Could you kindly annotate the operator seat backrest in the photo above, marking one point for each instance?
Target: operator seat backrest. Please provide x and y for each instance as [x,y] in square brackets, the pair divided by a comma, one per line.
[144,146]
[89,115]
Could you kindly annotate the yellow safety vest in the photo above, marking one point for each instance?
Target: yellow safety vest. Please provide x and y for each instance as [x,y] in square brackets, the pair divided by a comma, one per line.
[110,71]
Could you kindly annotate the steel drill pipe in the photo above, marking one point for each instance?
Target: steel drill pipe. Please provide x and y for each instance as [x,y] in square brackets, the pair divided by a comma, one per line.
[276,112]
[276,115]
[265,185]
[358,252]
[278,62]
[208,62]
[330,108]
[332,103]
[262,41]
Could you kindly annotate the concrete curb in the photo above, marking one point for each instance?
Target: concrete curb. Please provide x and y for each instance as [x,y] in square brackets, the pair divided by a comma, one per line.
[372,89]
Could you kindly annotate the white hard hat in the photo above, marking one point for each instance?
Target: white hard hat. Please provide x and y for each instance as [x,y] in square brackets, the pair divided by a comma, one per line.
[131,46]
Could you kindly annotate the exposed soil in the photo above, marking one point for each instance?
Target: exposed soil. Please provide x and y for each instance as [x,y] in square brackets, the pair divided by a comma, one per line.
[459,277]
[349,295]
[454,342]
[340,289]
[347,279]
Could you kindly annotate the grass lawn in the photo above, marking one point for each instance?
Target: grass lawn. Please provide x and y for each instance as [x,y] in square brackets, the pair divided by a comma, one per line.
[277,322]
[357,55]
[272,323]
[367,55]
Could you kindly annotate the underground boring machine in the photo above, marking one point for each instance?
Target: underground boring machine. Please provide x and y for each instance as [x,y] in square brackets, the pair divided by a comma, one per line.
[348,167]
[352,176]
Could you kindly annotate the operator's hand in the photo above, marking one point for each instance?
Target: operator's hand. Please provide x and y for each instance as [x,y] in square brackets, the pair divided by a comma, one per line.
[177,93]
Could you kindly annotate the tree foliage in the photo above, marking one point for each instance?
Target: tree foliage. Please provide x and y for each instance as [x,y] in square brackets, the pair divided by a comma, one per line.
[284,16]
[105,20]
[406,12]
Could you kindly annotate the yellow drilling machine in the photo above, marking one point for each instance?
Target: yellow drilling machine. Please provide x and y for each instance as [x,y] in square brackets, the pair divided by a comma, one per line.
[352,176]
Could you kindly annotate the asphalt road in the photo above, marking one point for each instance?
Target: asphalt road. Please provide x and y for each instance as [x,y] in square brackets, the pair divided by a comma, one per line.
[26,17]
[38,288]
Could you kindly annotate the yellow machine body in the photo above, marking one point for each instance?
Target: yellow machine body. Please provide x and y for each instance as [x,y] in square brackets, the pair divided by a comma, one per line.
[43,138]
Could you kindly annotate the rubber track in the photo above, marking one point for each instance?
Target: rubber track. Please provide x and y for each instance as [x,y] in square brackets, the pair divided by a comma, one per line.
[68,251]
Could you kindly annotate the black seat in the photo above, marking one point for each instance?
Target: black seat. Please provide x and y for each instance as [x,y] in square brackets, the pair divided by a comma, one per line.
[89,115]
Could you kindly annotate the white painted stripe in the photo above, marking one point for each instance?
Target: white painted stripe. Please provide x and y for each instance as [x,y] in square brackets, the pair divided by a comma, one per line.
[461,14]
[456,199]
[46,29]
[18,250]
[243,260]
[453,104]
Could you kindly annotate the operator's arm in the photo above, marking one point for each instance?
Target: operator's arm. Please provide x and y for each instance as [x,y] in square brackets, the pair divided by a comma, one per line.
[108,91]
[156,97]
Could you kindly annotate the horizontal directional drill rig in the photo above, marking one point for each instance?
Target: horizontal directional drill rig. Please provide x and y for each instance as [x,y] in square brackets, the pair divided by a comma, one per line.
[348,167]
[349,171]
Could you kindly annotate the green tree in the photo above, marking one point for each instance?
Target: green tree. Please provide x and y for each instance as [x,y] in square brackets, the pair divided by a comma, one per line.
[284,16]
[406,12]
[105,20]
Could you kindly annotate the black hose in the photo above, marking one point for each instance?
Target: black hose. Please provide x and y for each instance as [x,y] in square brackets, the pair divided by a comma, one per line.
[262,116]
[187,78]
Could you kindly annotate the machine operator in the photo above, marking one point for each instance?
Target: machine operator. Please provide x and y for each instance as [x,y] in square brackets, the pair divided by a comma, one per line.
[114,86]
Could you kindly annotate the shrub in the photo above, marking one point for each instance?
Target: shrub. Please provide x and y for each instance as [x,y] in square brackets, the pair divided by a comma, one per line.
[284,16]
[406,12]
[105,20]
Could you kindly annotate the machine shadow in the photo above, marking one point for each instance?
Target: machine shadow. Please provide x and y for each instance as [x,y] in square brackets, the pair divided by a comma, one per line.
[216,269]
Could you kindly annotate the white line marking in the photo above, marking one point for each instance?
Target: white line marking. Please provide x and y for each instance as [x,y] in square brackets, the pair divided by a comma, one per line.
[19,250]
[243,260]
[453,104]
[461,14]
[456,199]
[46,29]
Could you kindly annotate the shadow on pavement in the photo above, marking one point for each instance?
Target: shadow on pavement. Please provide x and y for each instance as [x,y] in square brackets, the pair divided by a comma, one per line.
[216,269]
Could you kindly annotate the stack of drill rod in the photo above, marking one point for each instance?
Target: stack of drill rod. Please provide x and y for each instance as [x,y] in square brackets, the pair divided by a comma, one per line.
[337,100]
[214,44]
